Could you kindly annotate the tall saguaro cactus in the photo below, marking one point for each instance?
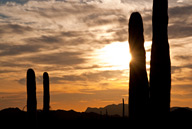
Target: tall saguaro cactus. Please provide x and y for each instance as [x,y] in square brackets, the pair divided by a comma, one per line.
[138,82]
[46,97]
[160,71]
[31,98]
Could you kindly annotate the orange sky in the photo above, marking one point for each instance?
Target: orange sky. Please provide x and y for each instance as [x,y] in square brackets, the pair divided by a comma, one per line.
[83,46]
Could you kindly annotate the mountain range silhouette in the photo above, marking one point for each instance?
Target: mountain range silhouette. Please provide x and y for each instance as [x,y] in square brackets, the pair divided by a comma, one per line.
[59,118]
[16,118]
[113,109]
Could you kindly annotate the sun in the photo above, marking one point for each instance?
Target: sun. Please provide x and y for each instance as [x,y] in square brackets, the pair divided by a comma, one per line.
[116,55]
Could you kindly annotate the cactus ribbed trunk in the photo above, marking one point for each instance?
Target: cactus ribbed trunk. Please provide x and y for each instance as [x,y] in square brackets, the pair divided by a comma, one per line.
[160,70]
[31,98]
[46,97]
[138,82]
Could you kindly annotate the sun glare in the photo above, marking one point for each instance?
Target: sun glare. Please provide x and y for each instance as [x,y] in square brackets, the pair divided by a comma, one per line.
[116,55]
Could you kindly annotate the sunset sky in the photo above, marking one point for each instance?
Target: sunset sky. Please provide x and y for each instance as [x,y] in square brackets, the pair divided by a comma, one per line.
[83,46]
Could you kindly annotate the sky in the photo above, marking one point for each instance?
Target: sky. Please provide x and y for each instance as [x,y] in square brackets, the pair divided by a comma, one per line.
[83,46]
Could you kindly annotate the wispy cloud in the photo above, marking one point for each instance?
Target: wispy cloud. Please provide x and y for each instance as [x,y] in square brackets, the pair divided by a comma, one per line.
[96,76]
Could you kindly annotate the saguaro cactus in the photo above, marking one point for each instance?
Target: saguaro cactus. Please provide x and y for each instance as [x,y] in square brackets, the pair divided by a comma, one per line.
[160,70]
[123,112]
[31,98]
[138,82]
[46,97]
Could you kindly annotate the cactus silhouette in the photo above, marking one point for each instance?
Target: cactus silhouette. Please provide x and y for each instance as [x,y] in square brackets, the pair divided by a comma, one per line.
[160,71]
[138,82]
[123,115]
[31,98]
[46,97]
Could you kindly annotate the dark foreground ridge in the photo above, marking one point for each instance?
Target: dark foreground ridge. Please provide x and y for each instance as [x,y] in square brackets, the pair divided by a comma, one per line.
[16,118]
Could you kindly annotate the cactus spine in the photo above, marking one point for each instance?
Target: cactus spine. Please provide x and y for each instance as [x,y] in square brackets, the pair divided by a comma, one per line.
[138,82]
[31,98]
[46,97]
[160,70]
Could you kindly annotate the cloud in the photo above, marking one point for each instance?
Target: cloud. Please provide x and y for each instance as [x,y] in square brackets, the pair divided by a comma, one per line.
[22,81]
[120,35]
[90,76]
[66,1]
[87,67]
[61,58]
[104,84]
[13,50]
[6,71]
[183,57]
[105,17]
[2,16]
[14,1]
[180,31]
[45,40]
[188,78]
[66,16]
[39,80]
[179,68]
[182,91]
[180,25]
[181,11]
[15,29]
[130,1]
[180,21]
[171,2]
[52,30]
[84,77]
[182,74]
[14,64]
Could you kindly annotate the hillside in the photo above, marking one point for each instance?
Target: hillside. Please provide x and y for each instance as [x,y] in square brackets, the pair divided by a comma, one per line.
[112,109]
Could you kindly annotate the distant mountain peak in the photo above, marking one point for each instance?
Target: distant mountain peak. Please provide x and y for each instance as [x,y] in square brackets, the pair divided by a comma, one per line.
[112,109]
